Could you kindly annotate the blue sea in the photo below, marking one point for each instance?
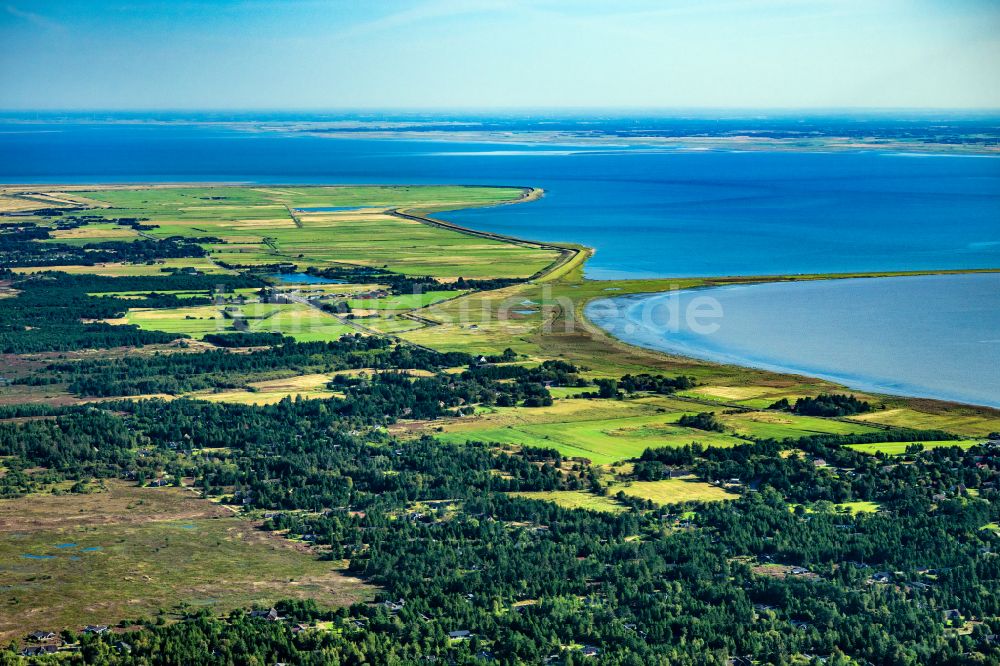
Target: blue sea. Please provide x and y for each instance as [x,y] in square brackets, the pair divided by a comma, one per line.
[648,212]
[930,336]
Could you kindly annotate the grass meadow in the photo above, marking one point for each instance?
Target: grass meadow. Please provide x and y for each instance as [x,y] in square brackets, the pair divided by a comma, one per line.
[126,552]
[899,448]
[266,225]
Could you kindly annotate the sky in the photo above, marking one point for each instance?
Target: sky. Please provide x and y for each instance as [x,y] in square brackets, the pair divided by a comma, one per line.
[499,54]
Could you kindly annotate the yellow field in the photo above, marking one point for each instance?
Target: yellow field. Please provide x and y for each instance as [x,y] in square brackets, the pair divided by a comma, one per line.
[898,448]
[10,204]
[667,491]
[731,393]
[273,390]
[860,507]
[963,421]
[94,233]
[576,499]
[203,265]
[673,491]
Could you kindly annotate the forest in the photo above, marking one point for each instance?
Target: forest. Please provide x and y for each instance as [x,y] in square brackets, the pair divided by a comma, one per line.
[801,549]
[19,247]
[54,311]
[525,576]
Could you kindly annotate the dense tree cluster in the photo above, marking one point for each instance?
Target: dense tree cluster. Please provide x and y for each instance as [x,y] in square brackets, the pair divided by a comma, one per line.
[247,339]
[54,311]
[835,404]
[702,421]
[655,383]
[20,246]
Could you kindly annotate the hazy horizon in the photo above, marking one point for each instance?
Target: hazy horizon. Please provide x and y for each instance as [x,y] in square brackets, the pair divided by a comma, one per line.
[679,113]
[425,55]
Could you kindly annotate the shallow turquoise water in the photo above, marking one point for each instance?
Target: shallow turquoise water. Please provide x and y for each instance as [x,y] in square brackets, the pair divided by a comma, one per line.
[930,336]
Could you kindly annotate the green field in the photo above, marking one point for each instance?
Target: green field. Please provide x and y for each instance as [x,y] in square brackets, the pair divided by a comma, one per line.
[605,432]
[389,325]
[899,448]
[780,425]
[262,225]
[403,301]
[970,421]
[303,322]
[128,551]
[600,432]
[195,321]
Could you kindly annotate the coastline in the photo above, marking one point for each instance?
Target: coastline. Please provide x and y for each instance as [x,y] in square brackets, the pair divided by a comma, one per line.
[569,254]
[631,319]
[739,137]
[564,277]
[568,271]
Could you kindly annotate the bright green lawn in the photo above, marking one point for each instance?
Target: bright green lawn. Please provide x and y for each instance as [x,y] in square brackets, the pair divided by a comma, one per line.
[601,440]
[304,323]
[853,508]
[403,301]
[860,507]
